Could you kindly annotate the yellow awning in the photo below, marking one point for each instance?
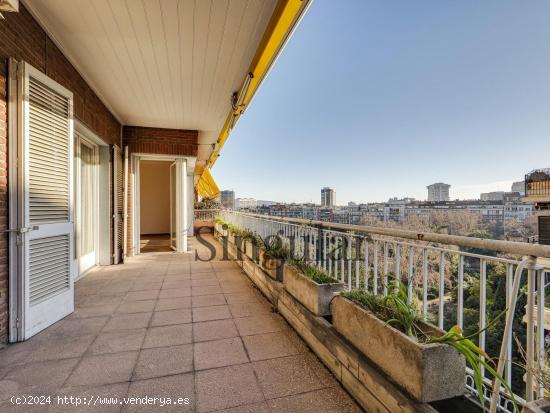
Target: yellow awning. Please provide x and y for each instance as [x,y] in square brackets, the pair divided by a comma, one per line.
[207,187]
[284,20]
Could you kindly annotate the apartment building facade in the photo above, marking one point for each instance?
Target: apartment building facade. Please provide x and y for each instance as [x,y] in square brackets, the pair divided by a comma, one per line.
[227,199]
[438,192]
[328,197]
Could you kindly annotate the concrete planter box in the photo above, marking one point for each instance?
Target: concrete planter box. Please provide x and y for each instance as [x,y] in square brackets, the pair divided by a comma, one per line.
[427,372]
[231,238]
[249,250]
[315,297]
[538,406]
[219,228]
[273,267]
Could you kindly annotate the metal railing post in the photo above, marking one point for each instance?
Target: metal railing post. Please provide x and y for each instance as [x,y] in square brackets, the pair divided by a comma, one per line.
[530,262]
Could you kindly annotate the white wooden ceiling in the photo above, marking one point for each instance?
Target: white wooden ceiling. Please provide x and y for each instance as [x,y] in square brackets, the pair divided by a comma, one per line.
[160,63]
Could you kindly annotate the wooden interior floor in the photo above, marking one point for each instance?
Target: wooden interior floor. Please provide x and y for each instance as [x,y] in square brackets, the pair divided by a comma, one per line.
[155,243]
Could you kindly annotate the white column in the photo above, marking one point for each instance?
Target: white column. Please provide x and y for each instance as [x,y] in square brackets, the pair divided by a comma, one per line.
[181,205]
[190,199]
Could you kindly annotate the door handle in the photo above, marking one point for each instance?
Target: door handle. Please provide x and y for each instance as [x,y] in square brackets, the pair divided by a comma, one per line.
[22,230]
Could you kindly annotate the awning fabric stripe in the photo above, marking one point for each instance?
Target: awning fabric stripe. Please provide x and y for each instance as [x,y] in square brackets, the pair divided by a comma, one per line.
[207,187]
[284,20]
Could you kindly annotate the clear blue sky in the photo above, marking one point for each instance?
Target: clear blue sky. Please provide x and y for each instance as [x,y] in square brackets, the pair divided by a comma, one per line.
[379,98]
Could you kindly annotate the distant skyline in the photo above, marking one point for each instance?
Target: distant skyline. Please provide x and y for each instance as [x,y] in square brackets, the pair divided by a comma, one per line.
[379,99]
[459,192]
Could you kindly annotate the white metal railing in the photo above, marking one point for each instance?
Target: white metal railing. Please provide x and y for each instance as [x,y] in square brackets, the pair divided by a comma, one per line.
[205,214]
[363,257]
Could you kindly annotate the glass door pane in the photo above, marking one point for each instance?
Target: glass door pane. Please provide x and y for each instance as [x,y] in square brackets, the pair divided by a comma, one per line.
[86,212]
[87,194]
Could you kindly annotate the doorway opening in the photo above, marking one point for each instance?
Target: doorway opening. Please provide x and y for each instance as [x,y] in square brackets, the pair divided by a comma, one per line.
[156,209]
[161,202]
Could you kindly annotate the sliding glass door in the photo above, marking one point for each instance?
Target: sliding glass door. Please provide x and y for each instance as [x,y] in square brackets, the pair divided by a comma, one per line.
[86,225]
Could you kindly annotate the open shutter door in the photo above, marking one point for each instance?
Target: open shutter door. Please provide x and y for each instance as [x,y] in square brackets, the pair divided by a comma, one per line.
[118,182]
[125,206]
[46,188]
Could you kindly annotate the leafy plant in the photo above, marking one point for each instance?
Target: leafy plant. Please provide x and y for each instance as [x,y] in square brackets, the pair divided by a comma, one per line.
[396,310]
[392,308]
[476,358]
[280,253]
[252,237]
[208,204]
[541,373]
[219,221]
[274,248]
[313,272]
[234,230]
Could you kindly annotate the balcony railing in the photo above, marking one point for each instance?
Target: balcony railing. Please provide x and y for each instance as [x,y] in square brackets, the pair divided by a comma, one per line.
[453,278]
[206,214]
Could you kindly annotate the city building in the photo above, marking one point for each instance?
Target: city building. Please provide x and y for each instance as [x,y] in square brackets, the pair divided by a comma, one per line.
[262,202]
[328,197]
[537,191]
[510,207]
[394,209]
[228,199]
[438,192]
[245,203]
[518,187]
[515,208]
[492,196]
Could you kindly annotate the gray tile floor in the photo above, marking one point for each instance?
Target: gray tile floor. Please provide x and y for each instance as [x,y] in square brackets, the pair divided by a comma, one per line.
[165,325]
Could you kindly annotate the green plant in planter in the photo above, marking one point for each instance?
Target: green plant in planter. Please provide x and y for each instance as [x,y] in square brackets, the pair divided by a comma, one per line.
[313,272]
[275,249]
[219,221]
[252,237]
[392,308]
[476,358]
[234,230]
[396,311]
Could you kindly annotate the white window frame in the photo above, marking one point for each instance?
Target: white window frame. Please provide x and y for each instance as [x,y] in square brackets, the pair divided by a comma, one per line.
[81,137]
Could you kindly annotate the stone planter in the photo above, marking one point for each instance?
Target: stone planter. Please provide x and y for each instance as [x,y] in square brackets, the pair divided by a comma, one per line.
[428,372]
[219,228]
[538,406]
[249,250]
[274,267]
[315,297]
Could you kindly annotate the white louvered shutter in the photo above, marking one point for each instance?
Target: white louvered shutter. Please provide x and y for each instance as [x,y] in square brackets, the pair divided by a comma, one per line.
[46,145]
[118,171]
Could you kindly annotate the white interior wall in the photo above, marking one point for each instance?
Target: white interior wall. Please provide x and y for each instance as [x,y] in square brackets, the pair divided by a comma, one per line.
[154,197]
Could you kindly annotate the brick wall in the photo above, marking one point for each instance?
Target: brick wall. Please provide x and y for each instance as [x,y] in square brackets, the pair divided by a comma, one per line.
[4,305]
[22,38]
[156,141]
[160,141]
